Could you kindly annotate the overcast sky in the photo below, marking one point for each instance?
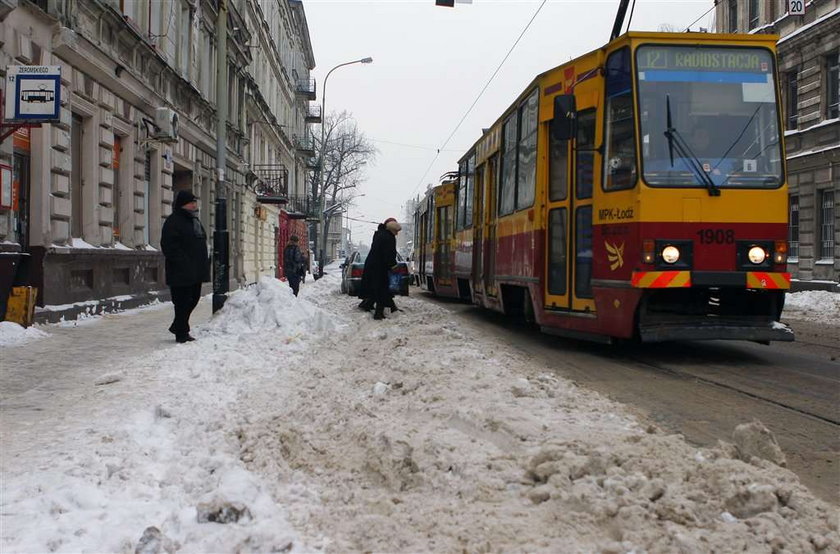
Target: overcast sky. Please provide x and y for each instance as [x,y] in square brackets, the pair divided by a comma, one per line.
[429,65]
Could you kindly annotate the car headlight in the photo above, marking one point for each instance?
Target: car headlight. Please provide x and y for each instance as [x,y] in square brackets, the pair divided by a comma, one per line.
[670,254]
[757,255]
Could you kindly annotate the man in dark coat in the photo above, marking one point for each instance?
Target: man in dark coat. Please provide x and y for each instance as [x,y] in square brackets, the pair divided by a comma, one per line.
[293,263]
[381,258]
[184,245]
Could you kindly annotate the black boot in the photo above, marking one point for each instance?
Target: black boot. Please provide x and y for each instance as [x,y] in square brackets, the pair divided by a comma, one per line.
[379,313]
[366,304]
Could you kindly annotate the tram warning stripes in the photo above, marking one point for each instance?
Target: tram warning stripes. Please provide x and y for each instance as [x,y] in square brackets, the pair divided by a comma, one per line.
[661,279]
[682,279]
[767,280]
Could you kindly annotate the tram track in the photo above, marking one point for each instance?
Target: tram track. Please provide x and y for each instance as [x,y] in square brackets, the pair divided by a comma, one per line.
[754,396]
[704,390]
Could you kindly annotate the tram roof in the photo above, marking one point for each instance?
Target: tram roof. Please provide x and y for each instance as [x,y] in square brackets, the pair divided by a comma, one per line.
[618,42]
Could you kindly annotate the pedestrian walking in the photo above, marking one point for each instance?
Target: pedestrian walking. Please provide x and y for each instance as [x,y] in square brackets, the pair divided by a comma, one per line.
[305,266]
[293,263]
[380,260]
[184,244]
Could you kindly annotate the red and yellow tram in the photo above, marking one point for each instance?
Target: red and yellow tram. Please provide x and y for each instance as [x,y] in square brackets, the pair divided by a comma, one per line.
[637,191]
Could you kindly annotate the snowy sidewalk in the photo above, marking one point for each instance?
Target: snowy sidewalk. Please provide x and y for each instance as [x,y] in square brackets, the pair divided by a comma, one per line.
[306,426]
[76,352]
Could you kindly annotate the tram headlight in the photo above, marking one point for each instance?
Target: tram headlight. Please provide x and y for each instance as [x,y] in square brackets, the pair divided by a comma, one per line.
[670,254]
[756,255]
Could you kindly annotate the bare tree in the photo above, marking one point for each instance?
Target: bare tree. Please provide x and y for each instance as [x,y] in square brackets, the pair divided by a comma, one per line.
[669,28]
[341,159]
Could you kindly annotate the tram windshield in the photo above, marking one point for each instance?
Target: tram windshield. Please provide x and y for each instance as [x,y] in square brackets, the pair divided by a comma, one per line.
[708,117]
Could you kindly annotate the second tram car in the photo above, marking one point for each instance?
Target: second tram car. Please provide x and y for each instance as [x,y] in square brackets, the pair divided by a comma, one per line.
[637,191]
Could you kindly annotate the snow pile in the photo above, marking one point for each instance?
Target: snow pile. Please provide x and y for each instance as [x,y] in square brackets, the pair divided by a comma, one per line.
[439,440]
[12,334]
[301,424]
[268,305]
[817,306]
[153,460]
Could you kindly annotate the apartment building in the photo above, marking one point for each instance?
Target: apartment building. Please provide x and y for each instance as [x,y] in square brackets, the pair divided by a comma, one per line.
[809,67]
[92,190]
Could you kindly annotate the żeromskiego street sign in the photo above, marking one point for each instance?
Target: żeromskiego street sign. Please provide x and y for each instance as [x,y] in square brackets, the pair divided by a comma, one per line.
[33,93]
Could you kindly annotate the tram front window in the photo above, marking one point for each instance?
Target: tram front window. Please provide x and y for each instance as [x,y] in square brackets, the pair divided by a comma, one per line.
[720,105]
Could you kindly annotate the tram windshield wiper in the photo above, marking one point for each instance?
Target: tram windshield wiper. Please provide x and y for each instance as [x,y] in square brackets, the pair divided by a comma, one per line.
[678,143]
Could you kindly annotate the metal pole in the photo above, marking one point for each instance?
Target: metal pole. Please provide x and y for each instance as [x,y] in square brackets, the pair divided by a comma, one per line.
[221,253]
[322,231]
[344,230]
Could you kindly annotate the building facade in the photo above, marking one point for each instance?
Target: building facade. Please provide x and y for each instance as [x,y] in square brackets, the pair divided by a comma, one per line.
[809,70]
[92,190]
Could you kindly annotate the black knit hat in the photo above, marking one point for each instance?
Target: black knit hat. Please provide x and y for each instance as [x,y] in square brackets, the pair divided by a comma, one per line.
[184,197]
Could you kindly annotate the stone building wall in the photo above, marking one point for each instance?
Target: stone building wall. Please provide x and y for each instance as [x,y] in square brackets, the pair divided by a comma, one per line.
[99,184]
[812,137]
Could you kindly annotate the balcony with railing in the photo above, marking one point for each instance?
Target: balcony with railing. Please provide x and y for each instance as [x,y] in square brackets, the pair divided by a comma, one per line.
[300,206]
[306,88]
[271,183]
[304,145]
[313,113]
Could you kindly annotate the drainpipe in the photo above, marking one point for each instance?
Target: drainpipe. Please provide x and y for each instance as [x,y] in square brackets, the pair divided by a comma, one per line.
[221,253]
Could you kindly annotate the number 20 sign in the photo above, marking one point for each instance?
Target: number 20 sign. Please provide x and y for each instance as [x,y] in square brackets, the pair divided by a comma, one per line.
[796,7]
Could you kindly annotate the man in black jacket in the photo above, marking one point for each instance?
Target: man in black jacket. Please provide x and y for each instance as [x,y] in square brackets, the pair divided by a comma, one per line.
[381,258]
[184,245]
[293,263]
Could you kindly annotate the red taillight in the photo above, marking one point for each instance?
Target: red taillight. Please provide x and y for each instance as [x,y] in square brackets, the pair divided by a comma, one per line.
[648,254]
[356,272]
[780,252]
[401,269]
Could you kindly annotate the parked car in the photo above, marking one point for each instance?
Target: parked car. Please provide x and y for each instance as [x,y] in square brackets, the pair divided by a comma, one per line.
[351,273]
[354,266]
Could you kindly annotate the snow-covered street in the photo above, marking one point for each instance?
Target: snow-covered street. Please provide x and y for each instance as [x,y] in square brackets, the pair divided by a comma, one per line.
[300,425]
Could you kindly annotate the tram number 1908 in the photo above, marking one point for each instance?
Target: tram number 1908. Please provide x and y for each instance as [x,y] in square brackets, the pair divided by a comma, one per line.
[716,236]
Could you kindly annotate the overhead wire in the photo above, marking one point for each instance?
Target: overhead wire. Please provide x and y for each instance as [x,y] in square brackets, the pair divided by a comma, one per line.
[490,80]
[688,27]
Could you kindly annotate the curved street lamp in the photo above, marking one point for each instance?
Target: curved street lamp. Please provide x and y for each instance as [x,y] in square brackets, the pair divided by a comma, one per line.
[322,235]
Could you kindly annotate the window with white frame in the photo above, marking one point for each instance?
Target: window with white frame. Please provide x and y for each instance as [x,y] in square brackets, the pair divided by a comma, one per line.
[791,99]
[753,9]
[733,16]
[826,238]
[793,229]
[832,88]
[182,53]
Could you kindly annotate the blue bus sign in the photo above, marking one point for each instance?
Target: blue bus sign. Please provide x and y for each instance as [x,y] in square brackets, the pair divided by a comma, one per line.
[33,93]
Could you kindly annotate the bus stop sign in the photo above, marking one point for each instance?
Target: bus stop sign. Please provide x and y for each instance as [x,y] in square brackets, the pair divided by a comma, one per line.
[33,93]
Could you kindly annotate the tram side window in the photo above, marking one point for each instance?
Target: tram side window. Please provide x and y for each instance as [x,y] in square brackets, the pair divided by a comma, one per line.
[583,252]
[558,160]
[470,192]
[584,168]
[507,184]
[527,169]
[461,197]
[620,131]
[430,207]
[557,251]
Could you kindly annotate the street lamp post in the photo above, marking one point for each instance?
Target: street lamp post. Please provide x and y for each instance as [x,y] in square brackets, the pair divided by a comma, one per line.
[345,240]
[322,232]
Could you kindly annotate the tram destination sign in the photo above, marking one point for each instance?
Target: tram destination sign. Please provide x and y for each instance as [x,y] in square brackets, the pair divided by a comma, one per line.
[33,93]
[703,59]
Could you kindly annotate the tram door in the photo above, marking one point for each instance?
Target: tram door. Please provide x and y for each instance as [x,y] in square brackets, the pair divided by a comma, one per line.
[443,244]
[572,171]
[478,231]
[488,266]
